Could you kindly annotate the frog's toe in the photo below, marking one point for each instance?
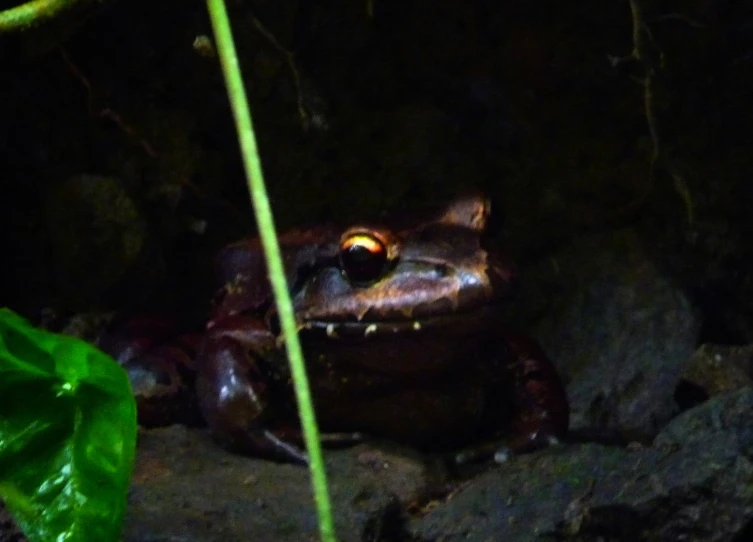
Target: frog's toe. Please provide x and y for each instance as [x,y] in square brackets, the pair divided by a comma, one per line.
[503,454]
[281,449]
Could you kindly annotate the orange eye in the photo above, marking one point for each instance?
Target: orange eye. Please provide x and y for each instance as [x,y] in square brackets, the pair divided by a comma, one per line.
[363,257]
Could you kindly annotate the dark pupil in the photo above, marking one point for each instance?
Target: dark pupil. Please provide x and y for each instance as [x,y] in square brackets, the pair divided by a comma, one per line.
[362,264]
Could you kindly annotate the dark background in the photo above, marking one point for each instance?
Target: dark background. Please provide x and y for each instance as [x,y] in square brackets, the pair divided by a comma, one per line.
[121,174]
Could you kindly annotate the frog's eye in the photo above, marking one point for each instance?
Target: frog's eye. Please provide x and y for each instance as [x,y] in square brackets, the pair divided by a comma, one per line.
[363,257]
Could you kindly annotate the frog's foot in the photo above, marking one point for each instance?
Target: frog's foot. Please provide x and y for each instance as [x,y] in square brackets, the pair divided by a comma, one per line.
[478,452]
[530,443]
[278,448]
[502,450]
[288,444]
[251,439]
[341,439]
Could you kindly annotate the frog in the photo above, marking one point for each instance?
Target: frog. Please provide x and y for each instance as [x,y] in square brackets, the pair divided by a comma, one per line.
[403,333]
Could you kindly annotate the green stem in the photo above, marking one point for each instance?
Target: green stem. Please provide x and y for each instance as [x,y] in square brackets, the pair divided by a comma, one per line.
[265,223]
[32,13]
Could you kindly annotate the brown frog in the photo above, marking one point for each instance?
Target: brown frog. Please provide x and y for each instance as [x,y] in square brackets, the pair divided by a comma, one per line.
[402,335]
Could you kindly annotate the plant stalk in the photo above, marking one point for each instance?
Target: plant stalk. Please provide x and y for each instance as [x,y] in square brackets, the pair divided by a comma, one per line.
[260,201]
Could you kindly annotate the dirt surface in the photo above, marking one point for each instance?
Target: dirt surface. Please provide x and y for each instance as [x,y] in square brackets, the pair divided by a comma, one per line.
[185,487]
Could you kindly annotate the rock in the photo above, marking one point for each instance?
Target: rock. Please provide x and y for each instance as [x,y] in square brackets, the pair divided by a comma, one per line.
[96,232]
[622,336]
[694,484]
[717,369]
[524,499]
[185,487]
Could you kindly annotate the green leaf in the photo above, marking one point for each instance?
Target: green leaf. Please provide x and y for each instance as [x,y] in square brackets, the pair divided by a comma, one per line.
[67,434]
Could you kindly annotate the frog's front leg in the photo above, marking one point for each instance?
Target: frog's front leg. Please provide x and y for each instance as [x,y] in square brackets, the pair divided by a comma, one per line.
[541,413]
[233,390]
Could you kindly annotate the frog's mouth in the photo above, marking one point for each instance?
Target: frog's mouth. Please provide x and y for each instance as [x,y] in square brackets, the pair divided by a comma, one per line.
[472,319]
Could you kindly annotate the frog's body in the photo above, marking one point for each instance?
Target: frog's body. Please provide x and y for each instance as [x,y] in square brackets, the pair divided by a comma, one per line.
[402,335]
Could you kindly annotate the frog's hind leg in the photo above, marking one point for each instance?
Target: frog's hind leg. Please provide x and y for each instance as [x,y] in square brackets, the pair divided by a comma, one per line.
[532,390]
[158,356]
[541,413]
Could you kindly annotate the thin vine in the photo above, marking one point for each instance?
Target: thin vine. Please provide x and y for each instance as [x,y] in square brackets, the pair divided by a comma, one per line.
[265,223]
[36,12]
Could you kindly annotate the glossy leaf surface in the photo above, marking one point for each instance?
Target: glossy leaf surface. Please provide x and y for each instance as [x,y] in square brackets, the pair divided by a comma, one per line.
[67,434]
